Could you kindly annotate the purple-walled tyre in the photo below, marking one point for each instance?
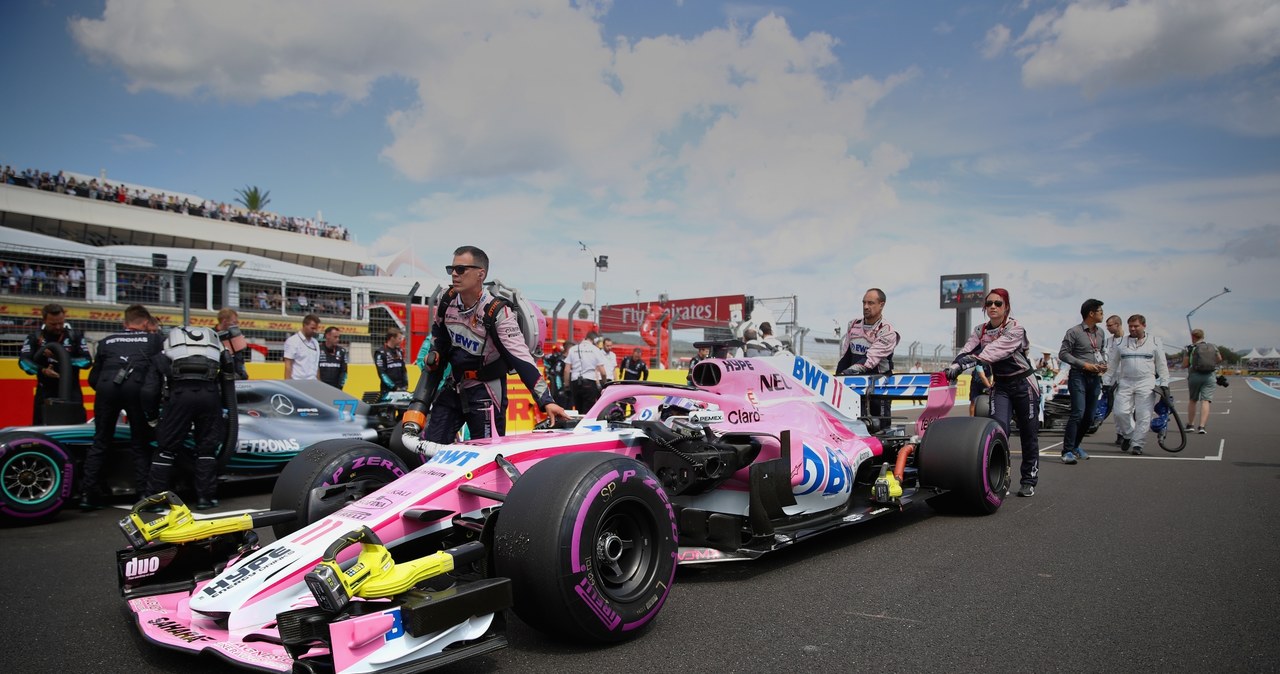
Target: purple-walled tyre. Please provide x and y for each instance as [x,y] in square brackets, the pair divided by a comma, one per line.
[36,477]
[325,477]
[589,542]
[969,457]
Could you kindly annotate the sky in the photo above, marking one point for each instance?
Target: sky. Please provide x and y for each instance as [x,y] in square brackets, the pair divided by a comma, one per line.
[1128,151]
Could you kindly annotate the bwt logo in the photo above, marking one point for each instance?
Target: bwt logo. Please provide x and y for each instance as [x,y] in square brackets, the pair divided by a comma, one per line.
[454,457]
[811,376]
[468,343]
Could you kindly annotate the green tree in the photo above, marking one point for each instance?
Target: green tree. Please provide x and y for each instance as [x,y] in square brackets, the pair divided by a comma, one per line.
[253,198]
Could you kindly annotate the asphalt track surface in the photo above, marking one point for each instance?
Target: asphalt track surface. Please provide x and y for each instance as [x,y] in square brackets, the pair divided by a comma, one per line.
[1154,563]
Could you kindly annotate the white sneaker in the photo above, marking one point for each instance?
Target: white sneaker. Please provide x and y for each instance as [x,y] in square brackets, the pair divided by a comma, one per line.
[1200,430]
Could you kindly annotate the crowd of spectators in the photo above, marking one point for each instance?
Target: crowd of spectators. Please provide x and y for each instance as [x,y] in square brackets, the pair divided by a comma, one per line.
[36,279]
[104,191]
[142,287]
[268,298]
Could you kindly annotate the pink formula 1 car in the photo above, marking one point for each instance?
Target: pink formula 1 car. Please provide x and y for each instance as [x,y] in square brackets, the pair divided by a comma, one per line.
[379,567]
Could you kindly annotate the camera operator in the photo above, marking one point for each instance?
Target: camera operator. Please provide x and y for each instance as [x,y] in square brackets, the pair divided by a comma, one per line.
[233,340]
[36,358]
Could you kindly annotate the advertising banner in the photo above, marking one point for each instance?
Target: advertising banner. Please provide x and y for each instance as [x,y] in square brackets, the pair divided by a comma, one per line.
[700,312]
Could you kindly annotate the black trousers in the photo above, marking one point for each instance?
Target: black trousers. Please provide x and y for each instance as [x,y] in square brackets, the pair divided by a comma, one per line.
[1019,398]
[473,406]
[585,394]
[197,404]
[111,399]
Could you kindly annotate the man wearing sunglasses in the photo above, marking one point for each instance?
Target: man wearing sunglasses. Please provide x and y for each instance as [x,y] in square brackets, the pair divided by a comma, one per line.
[1084,349]
[867,348]
[480,343]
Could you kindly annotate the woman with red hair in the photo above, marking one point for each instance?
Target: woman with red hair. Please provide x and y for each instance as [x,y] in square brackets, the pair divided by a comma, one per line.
[1001,345]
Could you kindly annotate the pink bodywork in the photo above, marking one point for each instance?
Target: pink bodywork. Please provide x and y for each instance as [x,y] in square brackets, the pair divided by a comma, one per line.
[755,396]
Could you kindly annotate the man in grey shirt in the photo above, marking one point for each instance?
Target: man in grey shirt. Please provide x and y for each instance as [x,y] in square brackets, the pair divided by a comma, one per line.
[1084,349]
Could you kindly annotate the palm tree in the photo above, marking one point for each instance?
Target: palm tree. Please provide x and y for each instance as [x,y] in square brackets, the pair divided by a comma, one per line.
[253,198]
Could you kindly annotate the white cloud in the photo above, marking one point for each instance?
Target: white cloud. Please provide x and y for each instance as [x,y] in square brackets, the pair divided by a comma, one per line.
[1100,45]
[995,42]
[128,142]
[746,125]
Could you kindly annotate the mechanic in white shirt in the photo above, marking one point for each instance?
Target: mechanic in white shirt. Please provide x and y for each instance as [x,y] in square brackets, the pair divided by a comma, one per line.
[610,360]
[302,350]
[1115,330]
[1140,372]
[584,367]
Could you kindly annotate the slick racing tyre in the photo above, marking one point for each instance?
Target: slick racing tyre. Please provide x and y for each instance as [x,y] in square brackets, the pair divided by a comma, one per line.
[969,456]
[589,543]
[328,475]
[36,476]
[982,406]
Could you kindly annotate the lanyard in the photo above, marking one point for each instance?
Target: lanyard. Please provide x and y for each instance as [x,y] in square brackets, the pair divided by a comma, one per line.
[1003,324]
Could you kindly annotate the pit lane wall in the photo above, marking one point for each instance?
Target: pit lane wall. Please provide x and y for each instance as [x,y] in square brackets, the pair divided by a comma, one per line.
[17,390]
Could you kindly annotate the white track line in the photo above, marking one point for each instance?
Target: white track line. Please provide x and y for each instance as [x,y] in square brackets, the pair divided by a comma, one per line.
[1164,456]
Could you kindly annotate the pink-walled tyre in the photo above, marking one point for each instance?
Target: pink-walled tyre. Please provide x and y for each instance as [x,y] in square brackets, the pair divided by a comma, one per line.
[969,457]
[589,543]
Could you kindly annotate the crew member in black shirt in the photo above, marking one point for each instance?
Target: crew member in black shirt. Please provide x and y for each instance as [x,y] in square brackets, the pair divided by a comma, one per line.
[333,359]
[125,377]
[389,360]
[36,358]
[633,367]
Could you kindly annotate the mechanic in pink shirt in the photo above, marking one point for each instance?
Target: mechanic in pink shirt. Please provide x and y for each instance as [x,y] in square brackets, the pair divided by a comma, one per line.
[1001,343]
[481,343]
[867,348]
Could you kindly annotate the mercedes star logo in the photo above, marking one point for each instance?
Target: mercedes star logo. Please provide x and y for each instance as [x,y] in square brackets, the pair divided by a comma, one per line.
[282,404]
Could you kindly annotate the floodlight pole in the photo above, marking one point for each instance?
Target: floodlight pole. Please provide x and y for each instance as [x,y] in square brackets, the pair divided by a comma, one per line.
[598,262]
[1189,313]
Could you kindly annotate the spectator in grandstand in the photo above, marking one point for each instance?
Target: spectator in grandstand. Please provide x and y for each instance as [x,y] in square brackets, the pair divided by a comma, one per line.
[302,351]
[276,300]
[302,303]
[262,299]
[36,358]
[76,276]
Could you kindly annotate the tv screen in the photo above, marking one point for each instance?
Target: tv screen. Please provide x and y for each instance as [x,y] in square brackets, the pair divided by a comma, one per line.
[963,291]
